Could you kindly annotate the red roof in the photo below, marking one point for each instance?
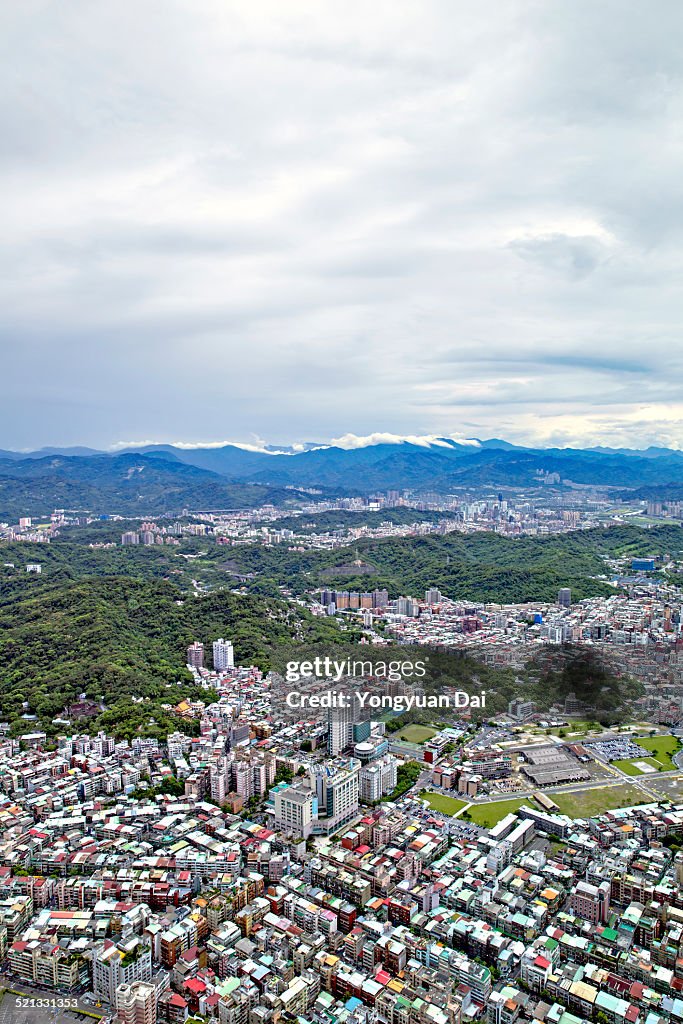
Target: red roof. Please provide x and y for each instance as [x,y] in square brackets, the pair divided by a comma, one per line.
[196,986]
[176,1000]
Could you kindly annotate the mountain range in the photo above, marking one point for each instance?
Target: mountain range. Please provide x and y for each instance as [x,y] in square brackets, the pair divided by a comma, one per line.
[155,478]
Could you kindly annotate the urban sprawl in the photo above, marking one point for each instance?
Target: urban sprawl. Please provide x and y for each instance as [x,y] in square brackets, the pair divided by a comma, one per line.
[284,862]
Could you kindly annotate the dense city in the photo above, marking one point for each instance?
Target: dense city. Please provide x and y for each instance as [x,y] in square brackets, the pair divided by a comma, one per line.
[267,863]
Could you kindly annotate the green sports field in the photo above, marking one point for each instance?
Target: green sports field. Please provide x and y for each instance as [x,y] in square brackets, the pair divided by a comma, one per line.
[445,804]
[488,815]
[414,733]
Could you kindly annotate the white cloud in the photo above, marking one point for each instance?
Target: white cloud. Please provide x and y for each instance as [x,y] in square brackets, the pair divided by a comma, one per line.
[294,220]
[423,441]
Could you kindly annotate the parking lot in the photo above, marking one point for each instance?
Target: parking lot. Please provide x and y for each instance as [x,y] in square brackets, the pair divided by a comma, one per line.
[11,1013]
[48,1007]
[616,749]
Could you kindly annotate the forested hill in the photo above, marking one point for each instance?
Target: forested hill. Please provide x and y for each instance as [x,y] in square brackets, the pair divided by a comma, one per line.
[474,567]
[116,637]
[477,567]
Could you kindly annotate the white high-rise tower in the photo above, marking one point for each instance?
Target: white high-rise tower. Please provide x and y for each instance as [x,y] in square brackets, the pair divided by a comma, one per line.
[223,655]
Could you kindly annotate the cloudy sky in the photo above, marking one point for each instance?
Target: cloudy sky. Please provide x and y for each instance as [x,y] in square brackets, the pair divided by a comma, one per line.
[297,220]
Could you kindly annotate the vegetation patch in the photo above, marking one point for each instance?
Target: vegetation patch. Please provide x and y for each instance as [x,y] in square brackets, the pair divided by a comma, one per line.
[631,767]
[415,733]
[663,748]
[407,775]
[477,567]
[116,638]
[488,815]
[440,802]
[590,802]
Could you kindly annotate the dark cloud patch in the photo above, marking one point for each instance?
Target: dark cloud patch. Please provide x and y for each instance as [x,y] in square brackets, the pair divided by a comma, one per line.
[576,257]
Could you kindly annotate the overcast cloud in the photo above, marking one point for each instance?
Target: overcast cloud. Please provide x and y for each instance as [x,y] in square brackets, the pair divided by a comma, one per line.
[301,220]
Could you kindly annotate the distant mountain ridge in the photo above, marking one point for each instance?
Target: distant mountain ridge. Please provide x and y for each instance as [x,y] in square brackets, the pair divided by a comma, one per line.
[439,464]
[165,477]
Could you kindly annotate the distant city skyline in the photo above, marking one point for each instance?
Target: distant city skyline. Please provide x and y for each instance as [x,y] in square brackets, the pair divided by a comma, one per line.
[295,220]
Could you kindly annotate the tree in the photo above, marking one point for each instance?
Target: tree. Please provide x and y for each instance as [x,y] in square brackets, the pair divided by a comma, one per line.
[172,786]
[283,774]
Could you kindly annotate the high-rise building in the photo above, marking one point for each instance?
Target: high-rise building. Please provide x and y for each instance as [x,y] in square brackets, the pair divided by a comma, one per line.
[136,1003]
[243,779]
[678,863]
[564,597]
[591,902]
[520,708]
[260,778]
[294,807]
[433,596]
[114,965]
[377,779]
[339,730]
[219,783]
[129,538]
[195,655]
[223,655]
[321,802]
[336,787]
[346,726]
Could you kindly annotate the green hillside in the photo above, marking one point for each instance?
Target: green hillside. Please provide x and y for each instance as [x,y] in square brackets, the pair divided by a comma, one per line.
[125,484]
[116,637]
[477,567]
